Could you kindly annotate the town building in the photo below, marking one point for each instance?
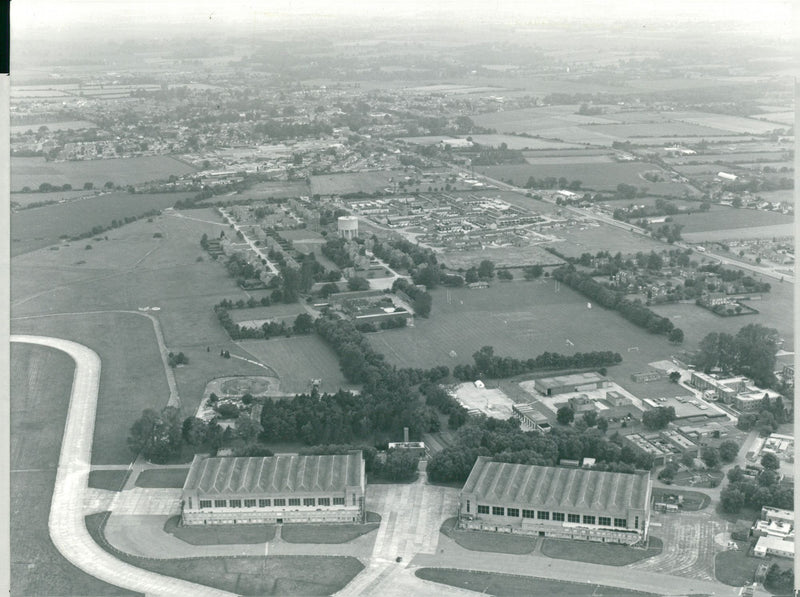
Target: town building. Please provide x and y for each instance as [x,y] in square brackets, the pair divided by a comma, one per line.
[564,384]
[530,418]
[570,503]
[275,489]
[775,532]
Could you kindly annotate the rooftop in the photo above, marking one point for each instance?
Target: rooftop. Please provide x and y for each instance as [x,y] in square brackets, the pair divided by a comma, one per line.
[557,487]
[274,474]
[574,379]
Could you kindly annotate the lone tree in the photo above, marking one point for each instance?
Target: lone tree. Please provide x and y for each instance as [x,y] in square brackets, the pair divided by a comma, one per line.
[565,415]
[676,336]
[710,457]
[770,462]
[728,450]
[658,418]
[675,376]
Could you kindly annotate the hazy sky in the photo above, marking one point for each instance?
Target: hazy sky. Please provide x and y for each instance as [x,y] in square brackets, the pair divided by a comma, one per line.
[38,15]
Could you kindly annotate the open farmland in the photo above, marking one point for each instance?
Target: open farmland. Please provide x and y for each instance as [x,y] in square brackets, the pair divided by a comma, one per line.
[730,218]
[268,190]
[735,124]
[32,172]
[751,232]
[356,182]
[25,199]
[297,360]
[41,382]
[595,176]
[37,228]
[535,120]
[67,125]
[522,320]
[653,129]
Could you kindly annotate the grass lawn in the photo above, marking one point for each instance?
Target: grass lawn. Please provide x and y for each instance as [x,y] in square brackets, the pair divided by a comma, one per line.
[510,585]
[692,500]
[736,568]
[486,541]
[111,480]
[249,576]
[219,534]
[162,478]
[607,554]
[325,533]
[707,479]
[40,383]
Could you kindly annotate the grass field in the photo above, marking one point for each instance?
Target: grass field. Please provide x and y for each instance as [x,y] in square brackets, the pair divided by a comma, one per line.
[606,554]
[502,257]
[730,218]
[249,576]
[485,541]
[32,172]
[535,120]
[40,383]
[507,585]
[735,124]
[340,184]
[112,480]
[279,312]
[162,478]
[522,320]
[296,360]
[218,534]
[325,533]
[692,500]
[654,129]
[603,237]
[595,176]
[736,568]
[751,232]
[27,198]
[37,228]
[131,379]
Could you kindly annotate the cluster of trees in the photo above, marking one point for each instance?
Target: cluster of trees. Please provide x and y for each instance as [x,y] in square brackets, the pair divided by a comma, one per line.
[405,255]
[387,324]
[438,398]
[757,490]
[658,418]
[489,365]
[632,310]
[780,582]
[506,442]
[766,420]
[735,275]
[669,232]
[303,324]
[177,359]
[336,249]
[492,156]
[551,182]
[751,352]
[421,301]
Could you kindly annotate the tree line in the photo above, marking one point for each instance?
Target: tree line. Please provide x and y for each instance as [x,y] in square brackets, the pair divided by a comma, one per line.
[632,310]
[487,364]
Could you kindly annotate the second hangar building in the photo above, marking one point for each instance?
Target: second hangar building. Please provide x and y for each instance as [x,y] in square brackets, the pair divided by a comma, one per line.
[548,501]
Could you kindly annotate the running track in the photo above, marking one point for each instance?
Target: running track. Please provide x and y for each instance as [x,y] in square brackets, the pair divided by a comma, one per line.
[66,523]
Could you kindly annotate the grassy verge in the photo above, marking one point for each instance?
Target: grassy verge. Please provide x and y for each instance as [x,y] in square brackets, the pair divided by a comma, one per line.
[218,534]
[503,585]
[40,382]
[735,568]
[165,478]
[248,575]
[325,533]
[487,541]
[111,480]
[692,500]
[607,554]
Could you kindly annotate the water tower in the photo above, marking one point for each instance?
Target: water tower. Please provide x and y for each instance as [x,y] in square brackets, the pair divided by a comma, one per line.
[348,226]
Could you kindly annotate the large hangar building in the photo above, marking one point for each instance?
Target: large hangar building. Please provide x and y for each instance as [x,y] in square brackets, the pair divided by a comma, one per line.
[569,503]
[275,489]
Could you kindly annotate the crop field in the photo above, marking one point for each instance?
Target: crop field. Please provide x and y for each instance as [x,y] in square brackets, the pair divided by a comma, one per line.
[569,160]
[32,172]
[68,125]
[25,199]
[519,319]
[515,142]
[37,228]
[596,176]
[535,120]
[786,196]
[653,129]
[605,238]
[785,118]
[40,382]
[778,230]
[730,218]
[340,184]
[735,124]
[297,360]
[691,140]
[731,157]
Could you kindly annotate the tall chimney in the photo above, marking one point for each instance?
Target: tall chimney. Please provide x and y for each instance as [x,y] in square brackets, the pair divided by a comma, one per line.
[405,434]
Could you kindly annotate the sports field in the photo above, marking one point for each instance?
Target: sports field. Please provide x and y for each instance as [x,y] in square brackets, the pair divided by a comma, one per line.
[41,381]
[36,228]
[591,239]
[340,184]
[730,218]
[32,172]
[297,360]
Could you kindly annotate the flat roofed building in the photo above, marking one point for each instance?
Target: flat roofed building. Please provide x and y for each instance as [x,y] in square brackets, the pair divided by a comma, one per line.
[770,545]
[578,382]
[570,503]
[275,489]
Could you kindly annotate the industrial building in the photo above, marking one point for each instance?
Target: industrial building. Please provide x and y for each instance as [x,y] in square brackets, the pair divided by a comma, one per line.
[530,418]
[570,503]
[564,384]
[275,489]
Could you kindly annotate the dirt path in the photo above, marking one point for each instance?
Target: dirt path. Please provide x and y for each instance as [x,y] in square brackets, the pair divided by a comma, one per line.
[66,522]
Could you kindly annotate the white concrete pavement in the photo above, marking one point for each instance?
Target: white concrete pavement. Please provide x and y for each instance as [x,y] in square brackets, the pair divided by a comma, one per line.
[66,522]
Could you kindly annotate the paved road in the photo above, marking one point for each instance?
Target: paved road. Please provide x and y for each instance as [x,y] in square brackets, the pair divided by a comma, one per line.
[66,522]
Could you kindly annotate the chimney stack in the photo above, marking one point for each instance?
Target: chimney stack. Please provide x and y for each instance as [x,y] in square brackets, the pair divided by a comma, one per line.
[405,434]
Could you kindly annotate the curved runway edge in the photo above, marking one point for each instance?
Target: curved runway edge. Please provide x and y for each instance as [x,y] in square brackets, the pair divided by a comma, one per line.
[66,522]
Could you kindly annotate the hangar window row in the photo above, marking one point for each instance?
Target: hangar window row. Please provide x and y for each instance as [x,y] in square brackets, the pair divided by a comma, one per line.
[269,502]
[555,516]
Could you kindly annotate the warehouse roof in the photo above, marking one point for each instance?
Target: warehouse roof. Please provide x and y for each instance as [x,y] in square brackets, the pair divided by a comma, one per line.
[286,473]
[575,379]
[555,487]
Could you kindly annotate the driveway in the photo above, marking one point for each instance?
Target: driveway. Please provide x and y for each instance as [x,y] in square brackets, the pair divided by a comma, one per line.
[66,523]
